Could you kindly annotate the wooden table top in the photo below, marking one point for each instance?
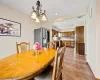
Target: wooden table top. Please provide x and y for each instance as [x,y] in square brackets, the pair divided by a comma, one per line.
[24,64]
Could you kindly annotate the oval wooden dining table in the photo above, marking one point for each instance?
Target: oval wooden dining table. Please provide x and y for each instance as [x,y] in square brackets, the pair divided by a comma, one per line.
[26,65]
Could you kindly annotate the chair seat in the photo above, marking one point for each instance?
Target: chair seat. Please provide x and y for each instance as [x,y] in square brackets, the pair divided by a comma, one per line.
[45,75]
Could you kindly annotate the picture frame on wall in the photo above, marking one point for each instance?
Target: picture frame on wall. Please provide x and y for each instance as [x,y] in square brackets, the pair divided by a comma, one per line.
[9,28]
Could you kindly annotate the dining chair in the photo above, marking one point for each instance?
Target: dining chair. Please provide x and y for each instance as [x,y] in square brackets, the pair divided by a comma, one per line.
[57,69]
[22,47]
[59,50]
[56,72]
[51,45]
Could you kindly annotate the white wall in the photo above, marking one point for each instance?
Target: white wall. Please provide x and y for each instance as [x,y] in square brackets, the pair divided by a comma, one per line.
[48,25]
[98,38]
[92,37]
[8,43]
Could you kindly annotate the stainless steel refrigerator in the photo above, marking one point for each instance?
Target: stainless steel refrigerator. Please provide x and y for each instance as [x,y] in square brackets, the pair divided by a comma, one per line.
[42,36]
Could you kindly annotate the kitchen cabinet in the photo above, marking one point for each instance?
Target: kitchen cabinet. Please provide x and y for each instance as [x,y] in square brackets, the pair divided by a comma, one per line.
[68,34]
[81,48]
[66,38]
[68,43]
[80,45]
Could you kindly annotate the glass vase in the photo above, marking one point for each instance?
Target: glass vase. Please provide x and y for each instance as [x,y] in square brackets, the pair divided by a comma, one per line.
[37,52]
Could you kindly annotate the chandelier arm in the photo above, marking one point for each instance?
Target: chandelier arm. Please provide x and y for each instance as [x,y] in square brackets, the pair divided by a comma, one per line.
[39,12]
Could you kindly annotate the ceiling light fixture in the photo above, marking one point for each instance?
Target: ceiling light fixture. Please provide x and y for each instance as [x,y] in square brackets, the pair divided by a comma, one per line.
[38,14]
[56,14]
[64,22]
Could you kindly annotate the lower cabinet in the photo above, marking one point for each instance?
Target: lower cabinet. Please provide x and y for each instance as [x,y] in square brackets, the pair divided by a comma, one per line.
[81,48]
[68,43]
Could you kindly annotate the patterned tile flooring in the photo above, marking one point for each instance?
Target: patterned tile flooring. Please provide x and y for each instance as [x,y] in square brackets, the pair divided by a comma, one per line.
[75,67]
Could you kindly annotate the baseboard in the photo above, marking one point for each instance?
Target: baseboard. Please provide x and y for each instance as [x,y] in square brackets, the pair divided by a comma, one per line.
[92,72]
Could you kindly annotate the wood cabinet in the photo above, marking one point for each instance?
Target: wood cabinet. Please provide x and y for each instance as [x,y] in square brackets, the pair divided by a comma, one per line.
[80,46]
[67,38]
[73,43]
[68,34]
[68,43]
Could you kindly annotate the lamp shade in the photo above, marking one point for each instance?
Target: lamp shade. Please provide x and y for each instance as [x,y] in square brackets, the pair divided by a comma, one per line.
[37,20]
[44,18]
[33,16]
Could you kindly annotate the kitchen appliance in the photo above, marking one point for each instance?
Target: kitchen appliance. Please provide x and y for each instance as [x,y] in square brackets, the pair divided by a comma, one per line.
[41,35]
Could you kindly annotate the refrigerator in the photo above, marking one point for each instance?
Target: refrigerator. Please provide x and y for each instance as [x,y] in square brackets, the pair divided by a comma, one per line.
[42,35]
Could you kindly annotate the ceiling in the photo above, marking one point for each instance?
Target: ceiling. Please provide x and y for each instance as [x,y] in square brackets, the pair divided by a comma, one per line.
[61,7]
[69,24]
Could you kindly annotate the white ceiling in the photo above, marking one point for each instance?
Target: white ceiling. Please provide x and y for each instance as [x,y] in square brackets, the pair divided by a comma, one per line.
[69,24]
[61,7]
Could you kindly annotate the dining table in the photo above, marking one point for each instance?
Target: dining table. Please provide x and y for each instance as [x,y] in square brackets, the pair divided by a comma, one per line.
[25,65]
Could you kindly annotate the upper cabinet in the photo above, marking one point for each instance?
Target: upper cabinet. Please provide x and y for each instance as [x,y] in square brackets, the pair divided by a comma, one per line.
[68,34]
[80,34]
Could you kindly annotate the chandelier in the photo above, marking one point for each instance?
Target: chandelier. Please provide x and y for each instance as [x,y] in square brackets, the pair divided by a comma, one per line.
[38,14]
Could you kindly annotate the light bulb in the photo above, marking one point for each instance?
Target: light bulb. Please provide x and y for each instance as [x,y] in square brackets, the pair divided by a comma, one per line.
[37,20]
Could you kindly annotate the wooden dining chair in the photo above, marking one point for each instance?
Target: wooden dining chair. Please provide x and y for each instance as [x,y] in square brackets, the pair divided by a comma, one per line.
[57,69]
[51,45]
[22,47]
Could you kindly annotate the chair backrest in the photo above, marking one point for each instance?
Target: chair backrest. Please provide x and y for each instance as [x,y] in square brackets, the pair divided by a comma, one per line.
[61,44]
[57,69]
[52,45]
[22,47]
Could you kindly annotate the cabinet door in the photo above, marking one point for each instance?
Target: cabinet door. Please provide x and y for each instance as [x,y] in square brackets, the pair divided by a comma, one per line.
[81,49]
[68,34]
[79,37]
[62,34]
[71,34]
[72,43]
[68,43]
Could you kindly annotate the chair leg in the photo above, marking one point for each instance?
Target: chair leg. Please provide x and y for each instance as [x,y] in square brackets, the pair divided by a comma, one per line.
[33,79]
[61,76]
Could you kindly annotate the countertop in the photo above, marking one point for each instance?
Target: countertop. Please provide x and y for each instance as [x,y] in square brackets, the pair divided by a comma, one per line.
[63,39]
